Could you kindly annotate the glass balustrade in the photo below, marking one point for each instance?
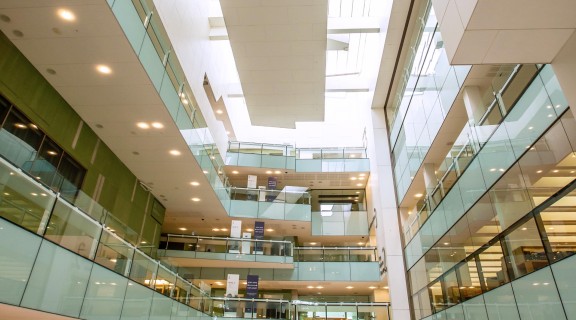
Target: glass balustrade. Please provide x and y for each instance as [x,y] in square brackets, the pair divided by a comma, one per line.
[263,195]
[505,90]
[234,249]
[335,254]
[27,203]
[304,310]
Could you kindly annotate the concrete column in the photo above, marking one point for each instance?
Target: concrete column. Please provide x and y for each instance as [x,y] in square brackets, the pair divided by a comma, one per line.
[475,108]
[430,179]
[382,200]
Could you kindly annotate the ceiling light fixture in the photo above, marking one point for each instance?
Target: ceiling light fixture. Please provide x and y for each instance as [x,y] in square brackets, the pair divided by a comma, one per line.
[175,152]
[215,229]
[349,287]
[182,229]
[195,199]
[418,195]
[270,230]
[235,172]
[372,287]
[353,178]
[143,125]
[104,69]
[66,14]
[195,183]
[157,125]
[269,172]
[277,172]
[358,184]
[219,111]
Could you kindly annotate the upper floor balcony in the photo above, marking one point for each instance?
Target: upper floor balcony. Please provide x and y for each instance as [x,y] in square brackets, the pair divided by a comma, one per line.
[287,157]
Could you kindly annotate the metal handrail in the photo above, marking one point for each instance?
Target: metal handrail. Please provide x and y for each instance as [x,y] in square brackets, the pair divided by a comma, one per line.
[226,238]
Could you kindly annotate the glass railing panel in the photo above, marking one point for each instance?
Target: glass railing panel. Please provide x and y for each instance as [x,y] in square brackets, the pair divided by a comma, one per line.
[165,281]
[71,229]
[161,308]
[15,261]
[61,275]
[105,295]
[181,291]
[114,253]
[143,269]
[22,200]
[137,302]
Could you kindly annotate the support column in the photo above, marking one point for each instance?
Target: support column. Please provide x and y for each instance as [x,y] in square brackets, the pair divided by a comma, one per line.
[382,200]
[475,108]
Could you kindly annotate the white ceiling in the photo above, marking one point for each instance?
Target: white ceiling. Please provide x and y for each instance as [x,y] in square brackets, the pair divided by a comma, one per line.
[110,104]
[280,52]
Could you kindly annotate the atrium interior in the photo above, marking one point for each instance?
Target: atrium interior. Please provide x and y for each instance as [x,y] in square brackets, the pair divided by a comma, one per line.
[287,159]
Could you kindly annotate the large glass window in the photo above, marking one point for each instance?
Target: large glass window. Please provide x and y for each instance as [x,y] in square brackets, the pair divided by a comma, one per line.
[525,252]
[25,145]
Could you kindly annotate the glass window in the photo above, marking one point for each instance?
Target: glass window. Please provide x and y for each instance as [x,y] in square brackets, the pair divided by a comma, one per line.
[451,288]
[559,223]
[46,163]
[493,267]
[436,297]
[468,279]
[525,252]
[72,176]
[4,108]
[22,128]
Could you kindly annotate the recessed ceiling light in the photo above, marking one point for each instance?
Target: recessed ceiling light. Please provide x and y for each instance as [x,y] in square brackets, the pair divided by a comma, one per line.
[205,172]
[143,242]
[269,172]
[358,184]
[195,199]
[20,125]
[319,287]
[52,153]
[418,195]
[362,174]
[386,287]
[195,183]
[66,14]
[312,243]
[539,171]
[104,69]
[157,125]
[219,111]
[227,132]
[310,287]
[360,243]
[352,156]
[357,192]
[349,287]
[235,172]
[215,229]
[175,152]
[277,172]
[372,287]
[446,243]
[185,101]
[270,230]
[249,229]
[524,229]
[182,229]
[33,193]
[223,229]
[555,171]
[143,125]
[353,178]
[530,128]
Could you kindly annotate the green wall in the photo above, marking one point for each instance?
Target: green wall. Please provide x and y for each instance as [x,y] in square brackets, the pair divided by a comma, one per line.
[27,89]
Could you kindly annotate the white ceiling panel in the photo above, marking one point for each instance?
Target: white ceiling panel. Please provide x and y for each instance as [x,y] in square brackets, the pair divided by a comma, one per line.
[280,52]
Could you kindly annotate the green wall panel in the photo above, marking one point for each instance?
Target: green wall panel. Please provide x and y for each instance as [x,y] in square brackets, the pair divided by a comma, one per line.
[26,88]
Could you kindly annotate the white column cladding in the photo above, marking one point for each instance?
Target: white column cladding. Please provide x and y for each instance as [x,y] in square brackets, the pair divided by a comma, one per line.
[383,200]
[473,102]
[430,179]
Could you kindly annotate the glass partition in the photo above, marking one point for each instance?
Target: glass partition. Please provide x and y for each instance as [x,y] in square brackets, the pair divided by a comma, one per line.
[335,254]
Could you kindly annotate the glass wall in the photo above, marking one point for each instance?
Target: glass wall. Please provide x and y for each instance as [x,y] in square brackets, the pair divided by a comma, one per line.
[496,167]
[503,247]
[428,88]
[26,146]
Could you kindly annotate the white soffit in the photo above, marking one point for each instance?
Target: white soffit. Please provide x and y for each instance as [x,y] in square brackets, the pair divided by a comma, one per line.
[279,48]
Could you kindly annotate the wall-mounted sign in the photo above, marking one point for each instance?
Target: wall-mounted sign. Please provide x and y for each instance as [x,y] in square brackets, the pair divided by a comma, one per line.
[236,229]
[232,282]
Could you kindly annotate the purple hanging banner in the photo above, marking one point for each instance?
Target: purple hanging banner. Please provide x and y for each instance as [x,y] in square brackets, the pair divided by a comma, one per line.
[252,286]
[258,235]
